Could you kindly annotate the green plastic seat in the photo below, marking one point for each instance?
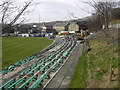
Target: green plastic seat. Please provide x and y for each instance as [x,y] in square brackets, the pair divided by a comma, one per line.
[26,83]
[33,66]
[25,71]
[9,70]
[31,72]
[11,66]
[17,64]
[7,84]
[16,83]
[41,60]
[39,80]
[3,72]
[65,54]
[43,68]
[53,67]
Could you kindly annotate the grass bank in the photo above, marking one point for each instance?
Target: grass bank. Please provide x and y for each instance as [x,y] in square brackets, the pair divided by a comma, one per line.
[92,70]
[80,74]
[0,52]
[17,48]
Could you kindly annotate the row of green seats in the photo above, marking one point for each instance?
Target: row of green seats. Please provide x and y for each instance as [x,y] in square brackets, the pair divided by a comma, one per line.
[43,68]
[41,60]
[25,71]
[39,81]
[59,60]
[53,54]
[57,56]
[34,85]
[69,49]
[16,83]
[64,49]
[50,57]
[7,84]
[65,54]
[3,72]
[28,69]
[12,66]
[26,59]
[7,69]
[26,83]
[56,64]
[49,63]
[44,59]
[42,77]
[32,71]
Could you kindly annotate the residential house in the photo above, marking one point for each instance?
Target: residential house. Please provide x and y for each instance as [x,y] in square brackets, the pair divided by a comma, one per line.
[25,28]
[114,24]
[47,27]
[76,25]
[35,28]
[61,26]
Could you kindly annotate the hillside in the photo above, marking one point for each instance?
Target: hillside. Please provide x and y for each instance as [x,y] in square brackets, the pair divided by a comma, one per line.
[92,70]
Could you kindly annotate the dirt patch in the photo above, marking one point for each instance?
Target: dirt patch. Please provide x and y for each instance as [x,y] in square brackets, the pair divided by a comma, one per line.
[105,83]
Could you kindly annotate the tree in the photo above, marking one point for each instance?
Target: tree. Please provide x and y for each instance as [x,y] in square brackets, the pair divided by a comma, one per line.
[115,13]
[103,10]
[11,13]
[104,14]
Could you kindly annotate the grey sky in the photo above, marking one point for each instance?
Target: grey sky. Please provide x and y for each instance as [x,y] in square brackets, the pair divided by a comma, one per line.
[53,10]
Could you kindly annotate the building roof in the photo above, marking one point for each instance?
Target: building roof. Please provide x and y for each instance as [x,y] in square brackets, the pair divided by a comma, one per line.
[79,22]
[61,24]
[48,24]
[115,21]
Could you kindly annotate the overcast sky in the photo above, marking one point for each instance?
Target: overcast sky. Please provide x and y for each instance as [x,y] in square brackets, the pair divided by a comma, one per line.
[53,10]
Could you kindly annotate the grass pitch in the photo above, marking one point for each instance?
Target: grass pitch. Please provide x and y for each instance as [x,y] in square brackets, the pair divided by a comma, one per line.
[17,48]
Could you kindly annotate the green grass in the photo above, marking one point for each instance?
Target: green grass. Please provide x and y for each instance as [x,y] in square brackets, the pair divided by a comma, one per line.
[80,74]
[97,62]
[17,48]
[0,52]
[102,53]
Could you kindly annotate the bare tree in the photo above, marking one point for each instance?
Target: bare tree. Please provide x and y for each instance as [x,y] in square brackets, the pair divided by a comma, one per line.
[11,13]
[104,14]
